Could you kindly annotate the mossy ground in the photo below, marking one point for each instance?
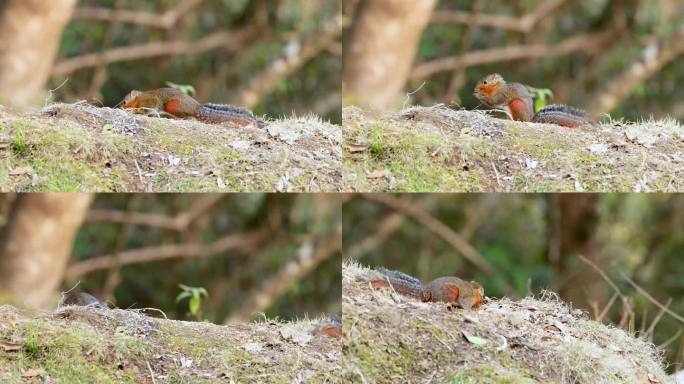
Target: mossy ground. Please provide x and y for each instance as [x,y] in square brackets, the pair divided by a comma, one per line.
[93,345]
[438,149]
[78,147]
[389,338]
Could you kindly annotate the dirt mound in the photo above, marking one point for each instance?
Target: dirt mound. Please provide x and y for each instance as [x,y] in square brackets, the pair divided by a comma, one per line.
[97,345]
[79,147]
[442,149]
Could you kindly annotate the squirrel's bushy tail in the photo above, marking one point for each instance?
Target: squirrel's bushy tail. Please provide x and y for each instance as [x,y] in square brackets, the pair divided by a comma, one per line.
[562,115]
[220,113]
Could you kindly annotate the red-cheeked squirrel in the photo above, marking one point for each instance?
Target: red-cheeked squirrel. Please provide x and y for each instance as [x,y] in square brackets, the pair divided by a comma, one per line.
[514,98]
[178,104]
[449,289]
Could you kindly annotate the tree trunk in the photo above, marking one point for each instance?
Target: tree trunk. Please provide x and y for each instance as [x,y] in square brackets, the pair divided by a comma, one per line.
[380,49]
[573,220]
[30,33]
[36,243]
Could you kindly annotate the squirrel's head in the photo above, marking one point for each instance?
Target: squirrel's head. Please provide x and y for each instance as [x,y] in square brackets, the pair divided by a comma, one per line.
[136,99]
[489,84]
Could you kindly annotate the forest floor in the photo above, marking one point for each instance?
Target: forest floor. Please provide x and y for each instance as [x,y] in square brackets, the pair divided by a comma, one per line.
[441,149]
[98,345]
[389,338]
[80,147]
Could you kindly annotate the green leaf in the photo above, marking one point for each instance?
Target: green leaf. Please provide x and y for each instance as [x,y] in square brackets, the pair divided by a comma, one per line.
[194,305]
[182,296]
[185,88]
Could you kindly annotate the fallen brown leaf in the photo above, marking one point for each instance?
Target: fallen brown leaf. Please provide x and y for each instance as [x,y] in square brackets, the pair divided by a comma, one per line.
[353,148]
[380,173]
[9,347]
[20,171]
[32,372]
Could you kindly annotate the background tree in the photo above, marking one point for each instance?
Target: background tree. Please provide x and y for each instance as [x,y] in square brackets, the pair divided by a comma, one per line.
[36,242]
[30,32]
[379,48]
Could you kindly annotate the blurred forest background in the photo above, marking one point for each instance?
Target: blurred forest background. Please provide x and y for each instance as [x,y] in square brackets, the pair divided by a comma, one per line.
[515,243]
[277,57]
[253,253]
[622,57]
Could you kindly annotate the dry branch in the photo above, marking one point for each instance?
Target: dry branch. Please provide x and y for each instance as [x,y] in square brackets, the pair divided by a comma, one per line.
[165,20]
[640,71]
[436,226]
[519,24]
[587,42]
[290,63]
[230,41]
[164,252]
[306,260]
[179,222]
[388,225]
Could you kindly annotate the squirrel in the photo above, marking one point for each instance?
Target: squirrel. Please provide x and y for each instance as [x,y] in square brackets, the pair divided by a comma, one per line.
[331,327]
[81,299]
[178,104]
[450,289]
[493,91]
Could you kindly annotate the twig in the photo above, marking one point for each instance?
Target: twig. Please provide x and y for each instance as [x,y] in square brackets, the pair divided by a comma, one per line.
[140,176]
[151,373]
[496,172]
[656,320]
[605,277]
[436,226]
[408,95]
[651,299]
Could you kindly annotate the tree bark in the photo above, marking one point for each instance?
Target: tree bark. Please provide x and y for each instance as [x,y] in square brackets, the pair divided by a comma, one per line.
[380,49]
[30,33]
[36,243]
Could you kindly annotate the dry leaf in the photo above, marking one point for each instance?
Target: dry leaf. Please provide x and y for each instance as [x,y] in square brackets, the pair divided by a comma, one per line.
[33,372]
[20,171]
[380,173]
[9,347]
[353,148]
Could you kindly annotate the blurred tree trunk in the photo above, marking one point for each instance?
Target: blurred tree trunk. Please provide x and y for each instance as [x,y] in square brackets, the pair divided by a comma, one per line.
[30,33]
[572,224]
[380,49]
[36,243]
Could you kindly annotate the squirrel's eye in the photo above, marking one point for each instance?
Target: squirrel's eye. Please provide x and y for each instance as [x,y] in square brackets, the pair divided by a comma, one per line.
[484,82]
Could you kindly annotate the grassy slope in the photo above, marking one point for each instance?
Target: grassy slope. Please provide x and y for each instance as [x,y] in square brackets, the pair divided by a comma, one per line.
[389,338]
[440,149]
[78,147]
[91,345]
